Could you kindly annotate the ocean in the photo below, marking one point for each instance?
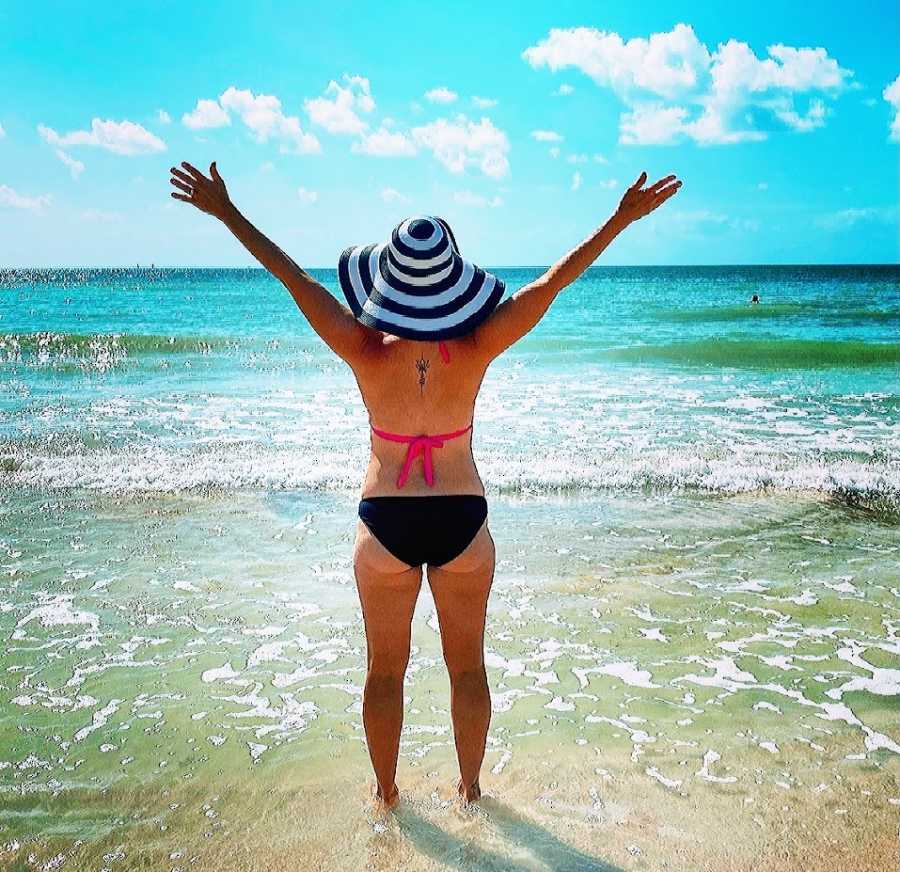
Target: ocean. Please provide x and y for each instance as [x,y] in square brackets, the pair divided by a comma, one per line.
[695,619]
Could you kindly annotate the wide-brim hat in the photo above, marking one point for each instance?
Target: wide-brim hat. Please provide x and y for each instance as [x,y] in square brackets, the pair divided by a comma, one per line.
[417,285]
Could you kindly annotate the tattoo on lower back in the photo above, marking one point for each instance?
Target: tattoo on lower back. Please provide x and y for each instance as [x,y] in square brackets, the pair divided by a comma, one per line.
[422,367]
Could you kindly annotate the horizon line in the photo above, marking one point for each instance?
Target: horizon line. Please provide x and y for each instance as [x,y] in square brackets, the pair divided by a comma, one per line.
[489,266]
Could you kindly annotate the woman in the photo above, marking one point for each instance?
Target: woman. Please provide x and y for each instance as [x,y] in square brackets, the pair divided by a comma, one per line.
[421,326]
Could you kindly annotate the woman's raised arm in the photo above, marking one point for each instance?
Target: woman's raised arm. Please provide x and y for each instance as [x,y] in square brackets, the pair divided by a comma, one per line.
[514,317]
[330,318]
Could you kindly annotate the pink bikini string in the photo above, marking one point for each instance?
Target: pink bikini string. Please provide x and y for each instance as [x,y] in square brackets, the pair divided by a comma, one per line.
[421,444]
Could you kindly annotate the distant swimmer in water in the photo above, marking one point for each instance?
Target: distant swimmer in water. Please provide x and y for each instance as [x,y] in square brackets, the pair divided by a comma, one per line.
[754,298]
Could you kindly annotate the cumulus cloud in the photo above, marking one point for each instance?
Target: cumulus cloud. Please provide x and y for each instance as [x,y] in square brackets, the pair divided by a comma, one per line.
[546,136]
[479,201]
[338,111]
[441,95]
[460,143]
[11,197]
[675,88]
[2,132]
[892,94]
[392,195]
[119,137]
[554,151]
[609,184]
[163,117]
[307,196]
[385,143]
[576,180]
[206,114]
[563,91]
[260,113]
[484,102]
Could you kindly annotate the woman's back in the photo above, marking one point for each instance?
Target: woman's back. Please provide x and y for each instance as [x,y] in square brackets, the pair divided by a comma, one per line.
[413,389]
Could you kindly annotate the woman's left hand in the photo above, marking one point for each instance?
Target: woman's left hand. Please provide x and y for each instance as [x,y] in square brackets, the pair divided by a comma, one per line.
[208,194]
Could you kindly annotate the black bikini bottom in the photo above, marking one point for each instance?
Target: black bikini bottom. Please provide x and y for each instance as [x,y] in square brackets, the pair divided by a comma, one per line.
[419,530]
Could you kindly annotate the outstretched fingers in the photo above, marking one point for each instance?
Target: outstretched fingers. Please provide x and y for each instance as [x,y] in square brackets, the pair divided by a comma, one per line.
[640,181]
[656,187]
[195,174]
[181,197]
[180,185]
[184,177]
[664,195]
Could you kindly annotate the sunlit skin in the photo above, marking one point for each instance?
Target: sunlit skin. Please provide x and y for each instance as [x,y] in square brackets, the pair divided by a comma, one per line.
[390,372]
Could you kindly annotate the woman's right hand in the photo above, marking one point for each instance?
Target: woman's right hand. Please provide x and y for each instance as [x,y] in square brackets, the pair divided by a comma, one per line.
[637,202]
[208,194]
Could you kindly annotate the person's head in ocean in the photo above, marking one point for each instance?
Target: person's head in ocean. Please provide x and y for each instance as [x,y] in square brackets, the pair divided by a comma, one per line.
[754,298]
[411,296]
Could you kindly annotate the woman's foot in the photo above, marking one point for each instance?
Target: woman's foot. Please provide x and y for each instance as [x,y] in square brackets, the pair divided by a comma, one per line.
[385,802]
[470,794]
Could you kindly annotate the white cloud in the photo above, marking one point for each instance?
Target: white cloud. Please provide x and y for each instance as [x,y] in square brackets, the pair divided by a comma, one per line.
[576,180]
[260,113]
[844,219]
[577,158]
[892,94]
[554,151]
[392,195]
[2,132]
[609,184]
[674,87]
[546,136]
[206,114]
[163,117]
[460,143]
[814,117]
[385,143]
[340,113]
[10,197]
[652,124]
[484,102]
[441,95]
[600,159]
[563,91]
[76,167]
[307,196]
[479,201]
[119,137]
[700,223]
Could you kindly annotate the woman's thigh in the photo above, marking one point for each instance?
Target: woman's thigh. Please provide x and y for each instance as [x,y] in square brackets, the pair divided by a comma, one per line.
[461,588]
[388,589]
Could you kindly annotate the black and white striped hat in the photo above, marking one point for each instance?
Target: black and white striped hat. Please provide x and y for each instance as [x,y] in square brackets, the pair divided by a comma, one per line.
[417,285]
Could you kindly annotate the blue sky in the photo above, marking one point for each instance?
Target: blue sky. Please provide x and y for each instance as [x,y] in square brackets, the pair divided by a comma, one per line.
[519,123]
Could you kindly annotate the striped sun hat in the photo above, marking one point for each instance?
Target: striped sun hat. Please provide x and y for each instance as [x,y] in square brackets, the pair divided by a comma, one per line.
[417,285]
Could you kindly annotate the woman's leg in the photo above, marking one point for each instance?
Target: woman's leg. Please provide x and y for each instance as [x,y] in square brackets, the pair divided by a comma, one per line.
[460,590]
[388,590]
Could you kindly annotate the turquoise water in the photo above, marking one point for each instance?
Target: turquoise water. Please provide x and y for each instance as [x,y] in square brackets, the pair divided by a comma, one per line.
[658,378]
[695,616]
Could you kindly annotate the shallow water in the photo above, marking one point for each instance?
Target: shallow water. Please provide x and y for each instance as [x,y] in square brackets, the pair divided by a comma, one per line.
[692,639]
[653,661]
